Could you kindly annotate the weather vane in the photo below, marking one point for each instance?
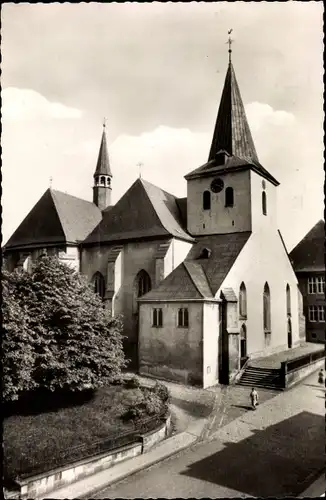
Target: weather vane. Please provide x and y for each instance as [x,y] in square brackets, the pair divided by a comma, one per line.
[104,122]
[51,180]
[230,41]
[140,165]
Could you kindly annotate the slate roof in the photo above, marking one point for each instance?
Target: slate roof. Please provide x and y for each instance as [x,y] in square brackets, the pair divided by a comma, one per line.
[231,135]
[185,282]
[198,278]
[103,162]
[225,249]
[57,218]
[144,211]
[309,254]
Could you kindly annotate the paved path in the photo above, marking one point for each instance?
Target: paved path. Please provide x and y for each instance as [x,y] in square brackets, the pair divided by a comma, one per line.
[273,451]
[274,360]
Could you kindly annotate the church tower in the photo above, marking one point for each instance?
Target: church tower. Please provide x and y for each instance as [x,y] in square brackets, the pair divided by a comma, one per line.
[232,192]
[102,176]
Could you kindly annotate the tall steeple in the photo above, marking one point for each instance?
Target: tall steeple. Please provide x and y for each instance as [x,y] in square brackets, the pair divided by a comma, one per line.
[102,176]
[232,133]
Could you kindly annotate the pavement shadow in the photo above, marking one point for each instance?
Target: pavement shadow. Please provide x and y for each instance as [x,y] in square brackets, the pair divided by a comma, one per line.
[316,386]
[243,407]
[273,462]
[193,408]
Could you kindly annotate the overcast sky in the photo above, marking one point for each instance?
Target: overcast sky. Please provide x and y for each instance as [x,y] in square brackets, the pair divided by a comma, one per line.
[156,72]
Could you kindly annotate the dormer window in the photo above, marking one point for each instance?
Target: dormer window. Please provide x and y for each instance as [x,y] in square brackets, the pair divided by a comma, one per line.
[205,253]
[206,200]
[229,197]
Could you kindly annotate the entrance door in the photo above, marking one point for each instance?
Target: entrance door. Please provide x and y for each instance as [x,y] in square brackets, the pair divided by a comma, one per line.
[289,333]
[243,345]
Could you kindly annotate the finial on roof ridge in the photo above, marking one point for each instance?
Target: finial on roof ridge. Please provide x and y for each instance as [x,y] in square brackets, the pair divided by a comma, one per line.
[230,41]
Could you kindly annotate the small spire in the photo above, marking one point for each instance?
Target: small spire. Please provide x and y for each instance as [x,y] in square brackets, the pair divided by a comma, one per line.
[103,163]
[229,42]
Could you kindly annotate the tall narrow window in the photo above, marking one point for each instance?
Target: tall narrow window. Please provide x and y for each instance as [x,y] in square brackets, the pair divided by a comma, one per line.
[264,202]
[229,197]
[267,309]
[103,180]
[143,282]
[206,200]
[320,284]
[183,318]
[99,284]
[243,301]
[157,317]
[321,313]
[288,300]
[312,313]
[312,285]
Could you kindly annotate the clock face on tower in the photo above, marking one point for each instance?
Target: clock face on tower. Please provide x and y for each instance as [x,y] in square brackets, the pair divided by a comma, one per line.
[217,185]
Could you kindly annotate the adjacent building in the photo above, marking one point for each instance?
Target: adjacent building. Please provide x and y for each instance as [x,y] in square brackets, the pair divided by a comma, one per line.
[308,260]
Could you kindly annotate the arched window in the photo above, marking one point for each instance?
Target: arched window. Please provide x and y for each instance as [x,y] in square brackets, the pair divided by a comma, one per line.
[288,300]
[243,301]
[229,197]
[267,309]
[206,200]
[264,202]
[103,181]
[143,283]
[108,180]
[243,345]
[99,284]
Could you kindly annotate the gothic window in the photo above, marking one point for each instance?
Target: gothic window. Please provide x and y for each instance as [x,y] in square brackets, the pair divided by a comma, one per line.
[243,301]
[288,300]
[183,318]
[267,309]
[229,197]
[108,181]
[243,345]
[99,284]
[206,200]
[143,283]
[264,202]
[103,180]
[157,317]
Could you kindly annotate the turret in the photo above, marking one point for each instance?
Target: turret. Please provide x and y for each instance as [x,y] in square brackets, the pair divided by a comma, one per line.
[102,176]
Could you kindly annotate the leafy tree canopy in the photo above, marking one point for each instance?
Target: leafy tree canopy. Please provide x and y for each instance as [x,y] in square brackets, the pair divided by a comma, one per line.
[56,333]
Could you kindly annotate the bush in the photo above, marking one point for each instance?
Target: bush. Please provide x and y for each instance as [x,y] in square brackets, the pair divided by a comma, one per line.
[145,403]
[132,383]
[56,335]
[162,392]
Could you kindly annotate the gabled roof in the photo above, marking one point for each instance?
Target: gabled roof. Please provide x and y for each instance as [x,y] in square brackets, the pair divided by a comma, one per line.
[232,146]
[144,211]
[57,218]
[225,249]
[184,282]
[103,162]
[198,278]
[309,254]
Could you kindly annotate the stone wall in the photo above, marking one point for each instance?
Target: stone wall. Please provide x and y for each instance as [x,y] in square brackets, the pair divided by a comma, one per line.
[41,484]
[295,376]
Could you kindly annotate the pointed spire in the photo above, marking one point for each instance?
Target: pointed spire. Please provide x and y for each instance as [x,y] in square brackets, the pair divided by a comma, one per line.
[232,133]
[103,162]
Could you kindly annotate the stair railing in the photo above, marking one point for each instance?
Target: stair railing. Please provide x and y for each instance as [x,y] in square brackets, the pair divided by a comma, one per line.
[241,371]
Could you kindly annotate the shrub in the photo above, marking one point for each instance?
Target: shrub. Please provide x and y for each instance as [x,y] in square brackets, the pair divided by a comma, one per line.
[132,383]
[162,392]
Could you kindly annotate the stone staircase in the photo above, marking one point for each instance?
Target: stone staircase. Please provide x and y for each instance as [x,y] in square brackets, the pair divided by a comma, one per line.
[266,378]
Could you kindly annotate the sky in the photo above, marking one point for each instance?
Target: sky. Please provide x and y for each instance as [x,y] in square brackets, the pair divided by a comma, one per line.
[155,71]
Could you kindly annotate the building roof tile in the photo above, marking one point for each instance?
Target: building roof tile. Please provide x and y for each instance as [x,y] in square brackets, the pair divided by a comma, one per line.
[57,218]
[309,253]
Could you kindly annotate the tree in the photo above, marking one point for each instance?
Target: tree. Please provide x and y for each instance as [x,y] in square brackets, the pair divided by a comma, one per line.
[56,333]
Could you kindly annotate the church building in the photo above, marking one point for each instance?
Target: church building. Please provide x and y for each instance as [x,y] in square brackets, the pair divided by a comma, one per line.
[202,282]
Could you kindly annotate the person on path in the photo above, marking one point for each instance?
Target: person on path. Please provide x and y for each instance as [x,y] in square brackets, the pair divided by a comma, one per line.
[254,398]
[321,376]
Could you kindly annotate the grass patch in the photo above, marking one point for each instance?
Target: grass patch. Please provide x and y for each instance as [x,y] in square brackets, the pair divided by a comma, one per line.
[37,441]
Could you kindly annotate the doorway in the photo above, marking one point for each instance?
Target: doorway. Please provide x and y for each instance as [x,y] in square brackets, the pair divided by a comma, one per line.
[289,333]
[243,345]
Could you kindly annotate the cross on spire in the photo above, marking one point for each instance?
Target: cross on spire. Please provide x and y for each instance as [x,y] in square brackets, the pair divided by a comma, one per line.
[230,41]
[140,165]
[50,181]
[104,122]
